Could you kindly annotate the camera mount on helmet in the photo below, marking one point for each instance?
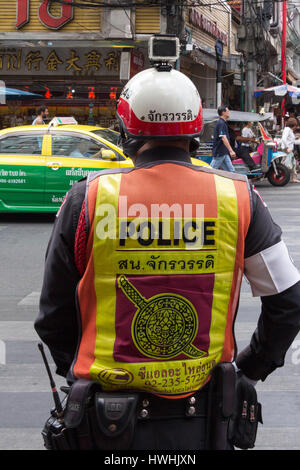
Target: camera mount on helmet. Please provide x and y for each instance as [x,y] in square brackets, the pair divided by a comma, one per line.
[159,102]
[162,51]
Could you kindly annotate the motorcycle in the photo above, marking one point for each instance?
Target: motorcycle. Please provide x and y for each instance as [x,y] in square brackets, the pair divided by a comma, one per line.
[267,156]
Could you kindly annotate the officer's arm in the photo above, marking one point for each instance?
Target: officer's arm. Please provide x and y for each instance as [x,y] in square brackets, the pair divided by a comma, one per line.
[273,277]
[56,323]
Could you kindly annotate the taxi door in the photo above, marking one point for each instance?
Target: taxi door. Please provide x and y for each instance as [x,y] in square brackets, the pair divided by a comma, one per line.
[73,156]
[22,171]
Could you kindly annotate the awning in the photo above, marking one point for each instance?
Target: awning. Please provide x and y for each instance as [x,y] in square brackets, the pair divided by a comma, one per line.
[280,91]
[236,116]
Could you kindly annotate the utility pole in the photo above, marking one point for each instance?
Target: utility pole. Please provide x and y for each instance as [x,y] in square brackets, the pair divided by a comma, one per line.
[251,64]
[219,55]
[283,41]
[283,54]
[252,42]
[242,94]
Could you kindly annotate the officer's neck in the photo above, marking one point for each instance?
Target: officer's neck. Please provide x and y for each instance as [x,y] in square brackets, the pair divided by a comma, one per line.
[154,144]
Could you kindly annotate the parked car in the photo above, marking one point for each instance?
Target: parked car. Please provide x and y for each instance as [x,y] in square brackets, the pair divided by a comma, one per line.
[39,164]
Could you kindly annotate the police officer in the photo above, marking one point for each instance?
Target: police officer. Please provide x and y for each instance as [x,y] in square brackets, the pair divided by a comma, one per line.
[144,268]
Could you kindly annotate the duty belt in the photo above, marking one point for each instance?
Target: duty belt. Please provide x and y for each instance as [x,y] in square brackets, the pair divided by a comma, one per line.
[154,407]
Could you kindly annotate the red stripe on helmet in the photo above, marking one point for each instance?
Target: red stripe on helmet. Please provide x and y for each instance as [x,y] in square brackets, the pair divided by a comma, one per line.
[139,127]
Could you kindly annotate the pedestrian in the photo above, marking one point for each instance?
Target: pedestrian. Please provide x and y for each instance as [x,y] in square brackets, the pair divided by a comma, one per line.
[287,145]
[248,137]
[222,151]
[42,113]
[141,288]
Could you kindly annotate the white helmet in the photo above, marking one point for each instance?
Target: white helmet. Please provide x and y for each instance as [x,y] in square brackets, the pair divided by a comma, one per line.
[159,104]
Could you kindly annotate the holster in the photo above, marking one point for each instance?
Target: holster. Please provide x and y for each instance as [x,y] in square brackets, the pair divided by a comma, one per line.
[221,405]
[94,419]
[247,415]
[113,418]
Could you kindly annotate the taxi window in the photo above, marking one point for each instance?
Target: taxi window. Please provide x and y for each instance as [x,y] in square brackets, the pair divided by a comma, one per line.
[108,134]
[21,145]
[78,147]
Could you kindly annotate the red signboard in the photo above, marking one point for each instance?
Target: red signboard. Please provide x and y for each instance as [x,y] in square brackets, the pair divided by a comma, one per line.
[44,14]
[236,5]
[137,61]
[210,27]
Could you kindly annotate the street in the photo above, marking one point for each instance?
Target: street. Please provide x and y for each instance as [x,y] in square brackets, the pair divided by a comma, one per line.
[25,394]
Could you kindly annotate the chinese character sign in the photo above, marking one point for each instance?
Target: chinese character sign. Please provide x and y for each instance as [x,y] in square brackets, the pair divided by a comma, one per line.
[67,62]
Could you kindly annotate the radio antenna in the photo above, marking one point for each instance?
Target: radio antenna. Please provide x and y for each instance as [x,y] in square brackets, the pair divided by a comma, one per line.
[58,406]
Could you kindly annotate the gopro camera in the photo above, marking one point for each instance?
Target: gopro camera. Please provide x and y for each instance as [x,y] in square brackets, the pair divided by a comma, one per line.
[163,49]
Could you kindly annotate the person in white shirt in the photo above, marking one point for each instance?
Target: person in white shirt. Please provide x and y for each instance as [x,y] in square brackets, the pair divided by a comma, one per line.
[248,136]
[42,113]
[287,145]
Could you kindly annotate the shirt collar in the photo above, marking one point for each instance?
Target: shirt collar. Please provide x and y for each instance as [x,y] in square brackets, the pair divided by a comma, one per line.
[162,153]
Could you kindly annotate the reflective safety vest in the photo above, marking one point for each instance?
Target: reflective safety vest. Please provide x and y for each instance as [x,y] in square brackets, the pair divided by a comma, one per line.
[165,259]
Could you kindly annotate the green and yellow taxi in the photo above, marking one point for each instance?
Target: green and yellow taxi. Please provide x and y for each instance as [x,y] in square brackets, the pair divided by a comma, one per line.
[40,163]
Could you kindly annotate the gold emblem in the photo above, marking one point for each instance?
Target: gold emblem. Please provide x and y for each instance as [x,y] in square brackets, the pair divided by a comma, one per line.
[164,325]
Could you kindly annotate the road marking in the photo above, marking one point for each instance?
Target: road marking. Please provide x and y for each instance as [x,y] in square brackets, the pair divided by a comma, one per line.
[31,299]
[21,439]
[271,438]
[280,209]
[290,228]
[17,331]
[29,378]
[2,353]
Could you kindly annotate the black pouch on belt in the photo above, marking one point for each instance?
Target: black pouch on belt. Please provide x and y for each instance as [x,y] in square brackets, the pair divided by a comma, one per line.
[100,420]
[244,423]
[113,419]
[221,405]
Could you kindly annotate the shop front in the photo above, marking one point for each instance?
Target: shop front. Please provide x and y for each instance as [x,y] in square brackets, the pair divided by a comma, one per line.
[60,53]
[80,82]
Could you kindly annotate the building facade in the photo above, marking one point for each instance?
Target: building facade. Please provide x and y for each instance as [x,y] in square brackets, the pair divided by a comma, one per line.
[62,53]
[78,59]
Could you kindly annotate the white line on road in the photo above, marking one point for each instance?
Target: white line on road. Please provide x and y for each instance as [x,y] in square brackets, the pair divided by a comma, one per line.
[21,439]
[278,438]
[17,331]
[17,378]
[31,299]
[286,209]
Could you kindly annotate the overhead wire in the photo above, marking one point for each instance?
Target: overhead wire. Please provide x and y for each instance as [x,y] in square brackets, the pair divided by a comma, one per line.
[101,3]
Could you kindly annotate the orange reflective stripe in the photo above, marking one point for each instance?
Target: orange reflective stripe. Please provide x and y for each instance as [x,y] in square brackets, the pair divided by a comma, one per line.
[87,298]
[244,221]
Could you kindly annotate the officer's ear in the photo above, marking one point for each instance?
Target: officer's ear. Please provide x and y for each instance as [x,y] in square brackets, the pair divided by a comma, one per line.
[194,145]
[129,145]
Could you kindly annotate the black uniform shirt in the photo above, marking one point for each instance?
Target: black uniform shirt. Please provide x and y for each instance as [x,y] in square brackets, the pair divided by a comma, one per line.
[279,322]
